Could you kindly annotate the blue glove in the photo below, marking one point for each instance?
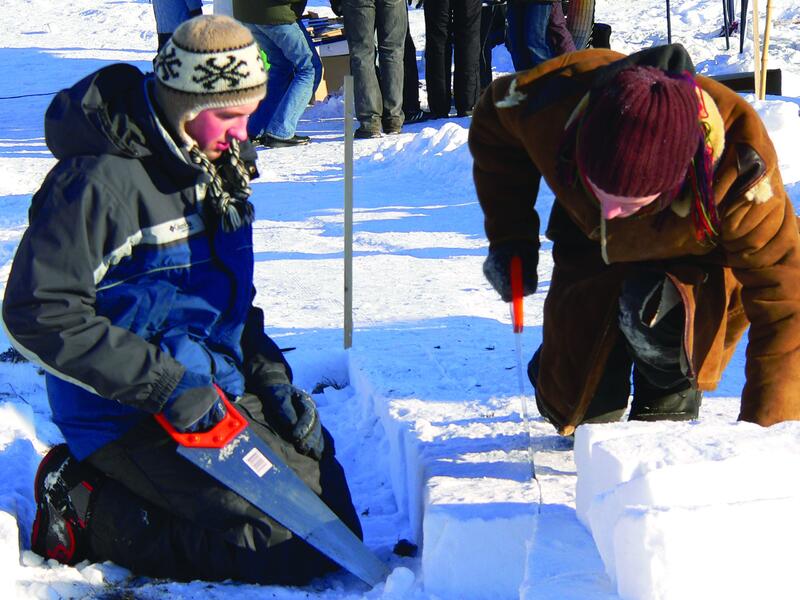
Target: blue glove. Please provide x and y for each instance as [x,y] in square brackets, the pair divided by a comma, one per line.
[295,416]
[194,405]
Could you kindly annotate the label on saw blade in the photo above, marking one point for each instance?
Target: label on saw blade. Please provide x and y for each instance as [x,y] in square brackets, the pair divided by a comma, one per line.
[257,462]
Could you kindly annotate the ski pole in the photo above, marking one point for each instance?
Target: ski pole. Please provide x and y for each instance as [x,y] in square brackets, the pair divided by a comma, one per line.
[669,25]
[518,322]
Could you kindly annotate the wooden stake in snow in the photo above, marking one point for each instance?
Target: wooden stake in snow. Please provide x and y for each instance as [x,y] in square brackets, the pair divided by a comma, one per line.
[756,49]
[348,210]
[765,51]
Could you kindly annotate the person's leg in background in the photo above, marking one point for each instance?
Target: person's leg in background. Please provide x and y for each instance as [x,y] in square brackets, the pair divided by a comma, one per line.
[316,61]
[493,33]
[437,56]
[171,13]
[278,77]
[412,110]
[558,36]
[485,65]
[290,84]
[391,20]
[359,22]
[527,33]
[467,50]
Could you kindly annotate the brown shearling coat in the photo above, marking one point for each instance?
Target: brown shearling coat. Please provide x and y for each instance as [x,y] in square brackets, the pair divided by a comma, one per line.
[749,275]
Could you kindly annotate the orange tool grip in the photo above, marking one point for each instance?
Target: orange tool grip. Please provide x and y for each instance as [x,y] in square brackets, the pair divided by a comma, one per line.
[516,293]
[216,437]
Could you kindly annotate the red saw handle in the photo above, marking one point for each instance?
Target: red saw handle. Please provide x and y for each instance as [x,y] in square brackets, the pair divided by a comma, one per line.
[216,437]
[516,293]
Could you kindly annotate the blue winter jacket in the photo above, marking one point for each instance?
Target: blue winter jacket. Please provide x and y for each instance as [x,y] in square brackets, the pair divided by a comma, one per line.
[124,287]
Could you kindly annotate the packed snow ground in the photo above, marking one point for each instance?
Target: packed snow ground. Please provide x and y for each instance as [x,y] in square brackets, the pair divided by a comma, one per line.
[425,406]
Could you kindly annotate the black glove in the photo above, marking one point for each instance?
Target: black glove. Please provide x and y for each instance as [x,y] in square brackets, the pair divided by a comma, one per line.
[420,3]
[336,7]
[248,155]
[196,409]
[497,266]
[294,414]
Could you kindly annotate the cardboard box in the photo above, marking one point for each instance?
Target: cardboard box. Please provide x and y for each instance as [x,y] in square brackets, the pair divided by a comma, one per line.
[335,65]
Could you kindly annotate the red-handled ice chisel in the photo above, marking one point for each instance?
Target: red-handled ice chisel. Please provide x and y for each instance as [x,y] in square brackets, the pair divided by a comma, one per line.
[518,322]
[244,463]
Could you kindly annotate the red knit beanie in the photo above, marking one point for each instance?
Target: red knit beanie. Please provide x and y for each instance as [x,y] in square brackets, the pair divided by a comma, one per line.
[639,133]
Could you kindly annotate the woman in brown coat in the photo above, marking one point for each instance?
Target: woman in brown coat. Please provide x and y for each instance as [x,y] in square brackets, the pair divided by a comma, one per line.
[671,231]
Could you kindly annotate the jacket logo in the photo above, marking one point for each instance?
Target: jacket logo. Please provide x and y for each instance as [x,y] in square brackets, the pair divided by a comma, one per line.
[167,63]
[212,73]
[183,226]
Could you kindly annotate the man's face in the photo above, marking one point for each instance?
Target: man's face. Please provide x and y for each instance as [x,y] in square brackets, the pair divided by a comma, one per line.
[214,128]
[619,206]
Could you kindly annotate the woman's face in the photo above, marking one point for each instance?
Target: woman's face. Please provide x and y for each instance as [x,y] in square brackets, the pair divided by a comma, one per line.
[619,206]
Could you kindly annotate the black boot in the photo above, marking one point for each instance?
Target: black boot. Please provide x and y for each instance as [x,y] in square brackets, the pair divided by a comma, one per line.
[269,141]
[610,400]
[681,403]
[63,489]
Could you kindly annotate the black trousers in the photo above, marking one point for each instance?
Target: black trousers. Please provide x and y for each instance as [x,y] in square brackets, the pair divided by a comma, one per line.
[410,76]
[493,33]
[161,516]
[651,319]
[452,33]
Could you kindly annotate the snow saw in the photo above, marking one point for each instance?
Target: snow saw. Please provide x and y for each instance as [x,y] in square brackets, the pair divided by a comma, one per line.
[232,454]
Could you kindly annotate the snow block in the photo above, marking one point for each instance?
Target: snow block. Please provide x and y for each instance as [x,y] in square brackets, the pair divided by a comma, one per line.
[736,551]
[458,458]
[659,497]
[458,533]
[562,562]
[595,477]
[9,554]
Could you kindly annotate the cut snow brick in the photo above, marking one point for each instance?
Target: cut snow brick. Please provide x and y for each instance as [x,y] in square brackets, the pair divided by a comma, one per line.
[696,553]
[595,479]
[669,476]
[459,463]
[9,553]
[476,551]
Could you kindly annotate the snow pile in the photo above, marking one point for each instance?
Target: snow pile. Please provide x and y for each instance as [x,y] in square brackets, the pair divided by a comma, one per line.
[782,120]
[677,510]
[437,153]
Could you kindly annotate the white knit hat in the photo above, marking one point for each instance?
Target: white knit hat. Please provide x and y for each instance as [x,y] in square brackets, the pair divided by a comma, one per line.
[210,61]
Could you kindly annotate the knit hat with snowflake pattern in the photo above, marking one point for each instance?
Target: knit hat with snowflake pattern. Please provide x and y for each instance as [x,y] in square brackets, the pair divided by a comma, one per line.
[211,61]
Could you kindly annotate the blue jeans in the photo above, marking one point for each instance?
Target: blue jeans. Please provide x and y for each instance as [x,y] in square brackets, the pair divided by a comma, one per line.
[171,13]
[377,104]
[294,74]
[527,33]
